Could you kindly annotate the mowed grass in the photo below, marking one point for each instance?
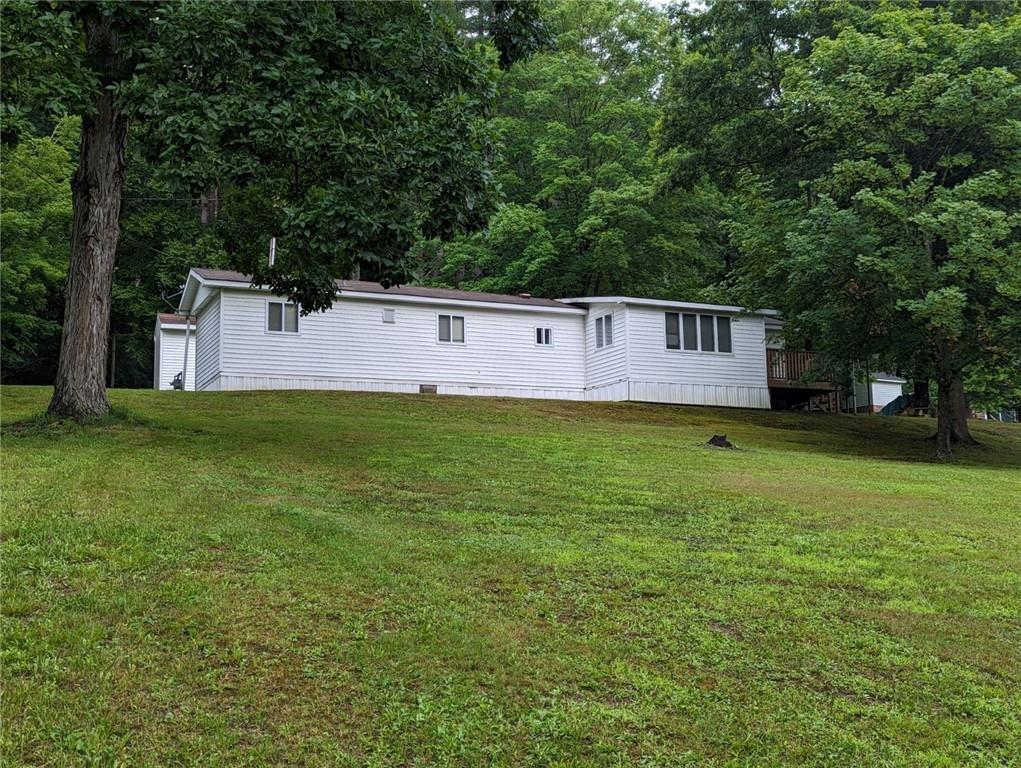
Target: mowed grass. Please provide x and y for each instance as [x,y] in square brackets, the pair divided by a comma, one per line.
[358,579]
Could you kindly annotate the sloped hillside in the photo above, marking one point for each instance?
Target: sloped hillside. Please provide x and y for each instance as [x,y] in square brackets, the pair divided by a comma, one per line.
[348,579]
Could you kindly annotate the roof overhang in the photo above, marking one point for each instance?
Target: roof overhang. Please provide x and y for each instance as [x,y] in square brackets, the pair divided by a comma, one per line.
[468,303]
[163,322]
[670,305]
[197,290]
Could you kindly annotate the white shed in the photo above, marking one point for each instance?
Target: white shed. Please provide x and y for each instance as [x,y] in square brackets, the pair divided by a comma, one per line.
[885,389]
[169,344]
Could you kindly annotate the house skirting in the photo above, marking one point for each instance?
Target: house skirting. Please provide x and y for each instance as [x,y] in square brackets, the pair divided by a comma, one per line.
[699,394]
[235,383]
[617,391]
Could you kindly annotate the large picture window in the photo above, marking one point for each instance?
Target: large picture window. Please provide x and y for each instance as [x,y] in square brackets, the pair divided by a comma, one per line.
[691,332]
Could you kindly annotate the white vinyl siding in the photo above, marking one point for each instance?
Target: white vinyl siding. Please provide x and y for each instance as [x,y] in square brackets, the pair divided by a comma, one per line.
[661,374]
[207,342]
[606,365]
[347,347]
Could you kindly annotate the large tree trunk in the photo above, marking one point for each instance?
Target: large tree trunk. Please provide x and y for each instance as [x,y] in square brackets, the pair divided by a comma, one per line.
[951,412]
[79,391]
[960,410]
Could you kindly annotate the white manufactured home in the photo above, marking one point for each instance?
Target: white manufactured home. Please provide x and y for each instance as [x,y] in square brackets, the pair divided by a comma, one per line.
[417,339]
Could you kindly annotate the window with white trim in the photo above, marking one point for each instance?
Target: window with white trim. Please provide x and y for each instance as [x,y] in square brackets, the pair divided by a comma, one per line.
[544,337]
[691,332]
[281,317]
[604,331]
[389,316]
[451,329]
[723,341]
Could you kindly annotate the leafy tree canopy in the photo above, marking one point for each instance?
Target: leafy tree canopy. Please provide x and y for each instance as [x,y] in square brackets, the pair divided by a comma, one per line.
[36,224]
[585,206]
[892,238]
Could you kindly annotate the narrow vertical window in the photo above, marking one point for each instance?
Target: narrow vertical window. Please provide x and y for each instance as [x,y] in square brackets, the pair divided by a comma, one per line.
[599,332]
[673,330]
[290,318]
[690,323]
[608,330]
[707,332]
[457,329]
[723,334]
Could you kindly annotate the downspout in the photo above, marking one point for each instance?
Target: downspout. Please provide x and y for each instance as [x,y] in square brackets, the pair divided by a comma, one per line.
[187,339]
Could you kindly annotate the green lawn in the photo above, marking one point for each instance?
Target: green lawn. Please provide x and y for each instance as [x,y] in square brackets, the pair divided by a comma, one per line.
[352,579]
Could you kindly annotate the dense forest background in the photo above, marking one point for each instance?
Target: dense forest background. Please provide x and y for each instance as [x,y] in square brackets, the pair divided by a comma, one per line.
[855,165]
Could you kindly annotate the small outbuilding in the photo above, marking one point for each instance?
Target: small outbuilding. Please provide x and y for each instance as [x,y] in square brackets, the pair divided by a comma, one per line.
[880,390]
[173,334]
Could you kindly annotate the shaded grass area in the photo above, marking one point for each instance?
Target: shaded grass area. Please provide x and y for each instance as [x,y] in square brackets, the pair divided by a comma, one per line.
[353,579]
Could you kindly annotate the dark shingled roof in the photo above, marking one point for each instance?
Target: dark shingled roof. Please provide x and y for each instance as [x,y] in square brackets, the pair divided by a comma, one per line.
[363,286]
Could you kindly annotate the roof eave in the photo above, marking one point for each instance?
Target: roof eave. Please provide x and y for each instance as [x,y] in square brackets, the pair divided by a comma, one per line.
[195,280]
[669,303]
[406,299]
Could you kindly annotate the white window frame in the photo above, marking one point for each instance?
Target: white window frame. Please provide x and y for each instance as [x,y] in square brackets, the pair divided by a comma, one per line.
[547,333]
[464,329]
[389,316]
[282,332]
[600,331]
[716,330]
[698,333]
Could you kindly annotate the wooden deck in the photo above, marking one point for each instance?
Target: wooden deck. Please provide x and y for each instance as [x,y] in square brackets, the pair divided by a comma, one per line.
[789,369]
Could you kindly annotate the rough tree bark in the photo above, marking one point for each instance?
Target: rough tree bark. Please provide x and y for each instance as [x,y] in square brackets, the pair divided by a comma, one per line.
[79,390]
[960,411]
[952,409]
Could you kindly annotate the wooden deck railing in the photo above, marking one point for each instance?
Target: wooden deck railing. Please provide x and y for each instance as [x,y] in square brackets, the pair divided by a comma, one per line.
[789,366]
